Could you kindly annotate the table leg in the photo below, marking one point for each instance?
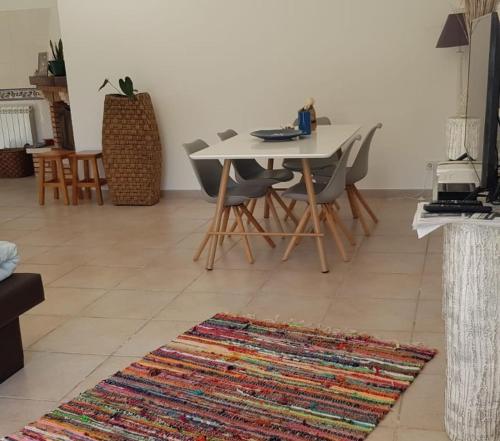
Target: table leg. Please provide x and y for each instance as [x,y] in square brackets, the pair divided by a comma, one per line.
[270,166]
[314,213]
[218,213]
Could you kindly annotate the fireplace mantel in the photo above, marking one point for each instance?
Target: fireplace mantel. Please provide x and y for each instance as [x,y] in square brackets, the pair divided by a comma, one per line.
[55,93]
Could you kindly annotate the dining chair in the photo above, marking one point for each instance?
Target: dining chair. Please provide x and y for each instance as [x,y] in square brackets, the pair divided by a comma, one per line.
[294,164]
[326,195]
[355,173]
[251,170]
[209,173]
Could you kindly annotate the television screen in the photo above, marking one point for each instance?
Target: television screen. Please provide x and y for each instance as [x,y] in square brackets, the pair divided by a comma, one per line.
[483,96]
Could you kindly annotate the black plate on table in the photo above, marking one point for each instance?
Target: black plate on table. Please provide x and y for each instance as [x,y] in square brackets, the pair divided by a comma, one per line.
[277,134]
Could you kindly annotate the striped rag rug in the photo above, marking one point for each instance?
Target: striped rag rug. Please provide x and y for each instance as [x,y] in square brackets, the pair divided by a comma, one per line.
[235,378]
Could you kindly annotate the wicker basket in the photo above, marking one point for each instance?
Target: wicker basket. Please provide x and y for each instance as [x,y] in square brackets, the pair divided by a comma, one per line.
[15,163]
[131,150]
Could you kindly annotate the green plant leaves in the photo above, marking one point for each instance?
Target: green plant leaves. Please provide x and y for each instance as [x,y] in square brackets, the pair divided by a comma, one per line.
[57,50]
[126,86]
[106,81]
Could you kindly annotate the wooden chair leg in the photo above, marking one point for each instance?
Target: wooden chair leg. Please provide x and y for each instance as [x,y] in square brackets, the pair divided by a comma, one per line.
[225,219]
[290,208]
[335,233]
[365,204]
[342,226]
[246,242]
[86,177]
[74,180]
[235,222]
[257,226]
[361,217]
[251,208]
[97,181]
[289,213]
[62,181]
[41,181]
[300,228]
[203,243]
[352,204]
[274,213]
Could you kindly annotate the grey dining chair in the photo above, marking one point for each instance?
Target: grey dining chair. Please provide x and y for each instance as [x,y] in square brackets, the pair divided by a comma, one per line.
[355,173]
[209,174]
[295,165]
[251,170]
[326,195]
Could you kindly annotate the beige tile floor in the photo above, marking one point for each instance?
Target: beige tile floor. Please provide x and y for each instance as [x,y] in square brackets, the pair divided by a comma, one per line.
[120,281]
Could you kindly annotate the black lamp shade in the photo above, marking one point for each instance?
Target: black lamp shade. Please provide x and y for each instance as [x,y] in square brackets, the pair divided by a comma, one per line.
[454,32]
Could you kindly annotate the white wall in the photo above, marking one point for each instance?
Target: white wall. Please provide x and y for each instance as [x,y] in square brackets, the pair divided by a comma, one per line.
[214,64]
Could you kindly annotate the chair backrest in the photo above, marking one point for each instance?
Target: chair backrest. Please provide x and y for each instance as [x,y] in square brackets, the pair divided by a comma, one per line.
[229,133]
[336,184]
[208,171]
[245,168]
[320,120]
[359,167]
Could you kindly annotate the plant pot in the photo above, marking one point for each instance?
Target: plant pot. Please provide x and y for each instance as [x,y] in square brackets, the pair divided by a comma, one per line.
[131,150]
[57,68]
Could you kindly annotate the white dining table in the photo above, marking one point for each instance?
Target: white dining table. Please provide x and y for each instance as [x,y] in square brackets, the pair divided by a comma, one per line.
[324,142]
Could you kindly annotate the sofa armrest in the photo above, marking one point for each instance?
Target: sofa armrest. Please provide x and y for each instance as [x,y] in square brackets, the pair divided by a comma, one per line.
[19,293]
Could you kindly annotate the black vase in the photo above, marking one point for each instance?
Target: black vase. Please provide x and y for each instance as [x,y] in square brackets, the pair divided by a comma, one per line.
[57,68]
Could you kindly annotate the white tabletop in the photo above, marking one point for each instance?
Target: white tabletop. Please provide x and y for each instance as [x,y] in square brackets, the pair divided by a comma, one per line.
[424,226]
[322,143]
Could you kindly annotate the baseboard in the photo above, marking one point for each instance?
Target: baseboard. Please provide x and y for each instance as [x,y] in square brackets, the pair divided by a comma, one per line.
[373,193]
[172,194]
[395,193]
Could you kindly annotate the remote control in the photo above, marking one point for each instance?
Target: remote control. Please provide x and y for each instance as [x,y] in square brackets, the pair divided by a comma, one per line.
[456,202]
[457,208]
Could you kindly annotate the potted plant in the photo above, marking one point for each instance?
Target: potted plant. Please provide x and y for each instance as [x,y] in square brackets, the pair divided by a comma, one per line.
[131,146]
[57,66]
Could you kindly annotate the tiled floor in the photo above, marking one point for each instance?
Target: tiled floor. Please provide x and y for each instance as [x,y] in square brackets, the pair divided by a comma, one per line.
[120,281]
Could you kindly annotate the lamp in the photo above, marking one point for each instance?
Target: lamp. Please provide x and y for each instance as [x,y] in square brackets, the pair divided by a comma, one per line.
[454,32]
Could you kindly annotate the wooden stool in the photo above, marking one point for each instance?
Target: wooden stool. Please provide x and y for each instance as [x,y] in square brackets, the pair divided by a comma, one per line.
[89,159]
[58,181]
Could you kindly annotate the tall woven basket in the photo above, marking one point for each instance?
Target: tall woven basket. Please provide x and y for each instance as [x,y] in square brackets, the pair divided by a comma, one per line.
[131,150]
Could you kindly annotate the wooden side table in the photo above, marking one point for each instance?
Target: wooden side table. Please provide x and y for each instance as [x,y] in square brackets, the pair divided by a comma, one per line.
[57,181]
[91,178]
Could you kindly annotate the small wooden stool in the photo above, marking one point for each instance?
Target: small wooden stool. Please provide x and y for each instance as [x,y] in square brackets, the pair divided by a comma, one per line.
[58,181]
[89,159]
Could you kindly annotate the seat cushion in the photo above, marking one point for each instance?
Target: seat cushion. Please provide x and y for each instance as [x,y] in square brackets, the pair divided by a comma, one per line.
[241,192]
[19,293]
[315,164]
[279,175]
[299,191]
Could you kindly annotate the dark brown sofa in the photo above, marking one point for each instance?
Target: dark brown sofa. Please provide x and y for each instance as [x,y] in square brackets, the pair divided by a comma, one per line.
[18,293]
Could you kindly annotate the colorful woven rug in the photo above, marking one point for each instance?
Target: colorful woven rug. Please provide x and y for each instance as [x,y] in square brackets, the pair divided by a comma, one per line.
[234,378]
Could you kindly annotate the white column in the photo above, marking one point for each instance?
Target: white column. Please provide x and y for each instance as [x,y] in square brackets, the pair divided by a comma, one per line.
[471,278]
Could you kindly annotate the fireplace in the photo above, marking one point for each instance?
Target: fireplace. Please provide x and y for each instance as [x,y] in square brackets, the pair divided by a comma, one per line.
[62,127]
[60,115]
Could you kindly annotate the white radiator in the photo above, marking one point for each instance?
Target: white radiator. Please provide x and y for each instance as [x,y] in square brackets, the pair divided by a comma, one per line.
[17,126]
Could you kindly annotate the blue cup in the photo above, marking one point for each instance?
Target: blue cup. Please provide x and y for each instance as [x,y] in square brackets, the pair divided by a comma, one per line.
[305,122]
